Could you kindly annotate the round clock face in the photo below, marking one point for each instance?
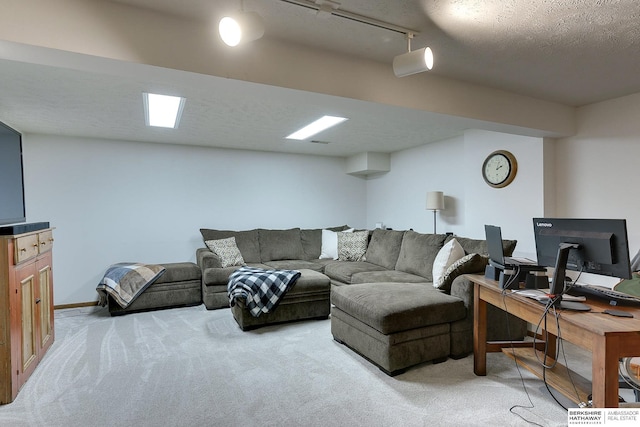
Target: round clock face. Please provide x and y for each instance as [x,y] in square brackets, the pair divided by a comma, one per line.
[499,168]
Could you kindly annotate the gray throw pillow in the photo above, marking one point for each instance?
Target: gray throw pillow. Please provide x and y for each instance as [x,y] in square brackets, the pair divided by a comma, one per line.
[226,250]
[472,263]
[477,246]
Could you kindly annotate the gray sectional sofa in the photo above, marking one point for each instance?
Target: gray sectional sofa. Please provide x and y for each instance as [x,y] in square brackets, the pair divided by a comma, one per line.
[402,258]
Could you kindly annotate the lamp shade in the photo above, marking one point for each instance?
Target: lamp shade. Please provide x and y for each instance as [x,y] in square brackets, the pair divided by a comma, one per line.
[413,62]
[435,200]
[241,28]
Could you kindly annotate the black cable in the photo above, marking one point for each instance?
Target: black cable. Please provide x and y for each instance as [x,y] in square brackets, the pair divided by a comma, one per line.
[524,386]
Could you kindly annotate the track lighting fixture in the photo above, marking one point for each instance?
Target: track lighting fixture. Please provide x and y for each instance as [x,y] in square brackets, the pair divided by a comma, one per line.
[242,27]
[412,62]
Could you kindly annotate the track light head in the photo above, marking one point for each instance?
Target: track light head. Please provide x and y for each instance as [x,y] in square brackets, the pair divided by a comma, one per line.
[413,62]
[240,28]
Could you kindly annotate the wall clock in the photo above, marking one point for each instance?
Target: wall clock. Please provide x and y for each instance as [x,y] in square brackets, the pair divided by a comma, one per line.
[499,169]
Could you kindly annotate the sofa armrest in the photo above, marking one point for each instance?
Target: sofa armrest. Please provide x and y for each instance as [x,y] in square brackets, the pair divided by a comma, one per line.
[503,326]
[207,259]
[463,289]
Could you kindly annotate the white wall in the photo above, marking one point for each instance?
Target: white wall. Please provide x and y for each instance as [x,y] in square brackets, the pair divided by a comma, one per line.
[129,201]
[94,191]
[590,175]
[397,198]
[512,207]
[597,169]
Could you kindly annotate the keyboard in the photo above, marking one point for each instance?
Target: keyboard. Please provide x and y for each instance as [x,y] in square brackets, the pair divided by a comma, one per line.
[602,292]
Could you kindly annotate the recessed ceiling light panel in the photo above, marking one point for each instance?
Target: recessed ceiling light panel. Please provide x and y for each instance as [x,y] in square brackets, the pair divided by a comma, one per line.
[318,126]
[162,110]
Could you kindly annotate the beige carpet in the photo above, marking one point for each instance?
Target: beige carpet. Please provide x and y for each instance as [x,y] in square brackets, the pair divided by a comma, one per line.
[193,367]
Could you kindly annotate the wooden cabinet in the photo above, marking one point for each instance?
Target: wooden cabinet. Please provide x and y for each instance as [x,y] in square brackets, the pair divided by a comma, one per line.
[26,307]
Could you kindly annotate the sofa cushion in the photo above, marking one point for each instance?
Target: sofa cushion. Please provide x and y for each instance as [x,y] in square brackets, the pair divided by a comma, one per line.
[226,250]
[418,252]
[247,241]
[471,263]
[352,246]
[330,243]
[342,271]
[476,246]
[295,264]
[447,255]
[387,276]
[395,307]
[280,244]
[312,240]
[220,276]
[180,272]
[384,248]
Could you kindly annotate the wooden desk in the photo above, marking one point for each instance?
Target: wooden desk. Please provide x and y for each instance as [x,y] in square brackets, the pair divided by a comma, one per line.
[607,337]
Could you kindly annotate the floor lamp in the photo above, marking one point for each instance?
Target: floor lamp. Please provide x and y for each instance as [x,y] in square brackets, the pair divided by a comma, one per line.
[435,202]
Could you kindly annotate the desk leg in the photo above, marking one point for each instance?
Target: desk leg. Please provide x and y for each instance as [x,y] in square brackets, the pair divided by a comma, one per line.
[479,332]
[605,372]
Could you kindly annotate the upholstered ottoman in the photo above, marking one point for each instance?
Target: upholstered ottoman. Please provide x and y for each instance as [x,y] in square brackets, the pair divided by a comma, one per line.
[308,298]
[395,325]
[179,286]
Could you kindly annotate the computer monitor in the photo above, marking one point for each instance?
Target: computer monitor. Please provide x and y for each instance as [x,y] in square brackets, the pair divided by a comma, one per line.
[598,246]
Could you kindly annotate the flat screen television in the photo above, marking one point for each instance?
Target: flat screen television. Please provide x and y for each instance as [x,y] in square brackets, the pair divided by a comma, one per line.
[598,246]
[12,206]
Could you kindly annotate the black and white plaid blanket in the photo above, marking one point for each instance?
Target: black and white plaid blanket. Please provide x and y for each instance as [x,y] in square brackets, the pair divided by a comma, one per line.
[261,289]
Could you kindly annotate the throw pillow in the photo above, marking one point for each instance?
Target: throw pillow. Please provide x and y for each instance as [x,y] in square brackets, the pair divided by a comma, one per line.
[472,263]
[448,254]
[352,246]
[330,243]
[226,250]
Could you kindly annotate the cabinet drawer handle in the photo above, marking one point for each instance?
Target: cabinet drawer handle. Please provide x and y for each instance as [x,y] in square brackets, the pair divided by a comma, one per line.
[38,300]
[23,249]
[43,243]
[35,245]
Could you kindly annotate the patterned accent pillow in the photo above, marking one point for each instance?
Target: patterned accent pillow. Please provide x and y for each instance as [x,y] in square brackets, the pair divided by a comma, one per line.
[226,250]
[472,263]
[352,246]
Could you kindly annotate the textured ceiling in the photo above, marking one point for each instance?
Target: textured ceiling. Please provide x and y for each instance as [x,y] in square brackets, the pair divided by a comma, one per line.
[572,52]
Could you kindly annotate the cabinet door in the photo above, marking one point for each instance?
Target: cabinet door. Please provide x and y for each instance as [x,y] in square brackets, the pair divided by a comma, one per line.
[44,303]
[27,293]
